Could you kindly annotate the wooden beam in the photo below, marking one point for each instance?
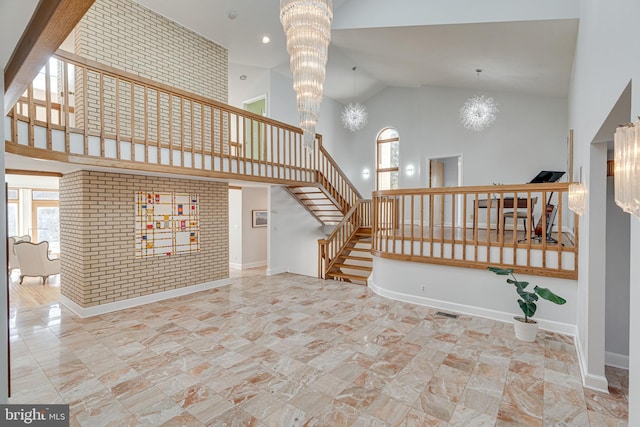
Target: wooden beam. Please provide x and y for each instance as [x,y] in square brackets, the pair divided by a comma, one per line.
[31,173]
[50,25]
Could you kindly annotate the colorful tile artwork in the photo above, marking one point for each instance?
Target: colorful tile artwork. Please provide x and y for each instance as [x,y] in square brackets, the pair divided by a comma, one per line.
[164,227]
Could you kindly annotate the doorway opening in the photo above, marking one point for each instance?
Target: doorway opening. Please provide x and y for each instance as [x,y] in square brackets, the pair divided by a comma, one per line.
[446,171]
[33,215]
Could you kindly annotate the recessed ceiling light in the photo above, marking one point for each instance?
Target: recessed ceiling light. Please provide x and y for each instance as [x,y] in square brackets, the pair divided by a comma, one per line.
[232,14]
[243,77]
[266,39]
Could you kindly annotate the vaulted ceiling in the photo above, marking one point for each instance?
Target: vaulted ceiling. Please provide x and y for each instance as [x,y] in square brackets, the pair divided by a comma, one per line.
[522,47]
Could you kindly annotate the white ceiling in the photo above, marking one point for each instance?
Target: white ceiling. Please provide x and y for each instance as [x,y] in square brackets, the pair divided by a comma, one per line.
[522,56]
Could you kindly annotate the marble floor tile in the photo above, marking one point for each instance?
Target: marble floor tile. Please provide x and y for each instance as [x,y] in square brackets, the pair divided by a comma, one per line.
[290,350]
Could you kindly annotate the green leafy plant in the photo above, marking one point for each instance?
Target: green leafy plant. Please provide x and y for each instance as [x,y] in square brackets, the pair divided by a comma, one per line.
[527,300]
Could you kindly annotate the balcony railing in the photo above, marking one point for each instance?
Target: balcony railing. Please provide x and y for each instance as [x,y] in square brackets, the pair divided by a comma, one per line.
[81,111]
[526,227]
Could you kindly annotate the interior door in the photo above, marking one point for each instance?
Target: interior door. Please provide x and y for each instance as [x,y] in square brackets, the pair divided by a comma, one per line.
[436,180]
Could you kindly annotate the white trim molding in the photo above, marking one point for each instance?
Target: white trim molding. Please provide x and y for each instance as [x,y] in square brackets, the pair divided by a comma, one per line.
[616,360]
[279,270]
[97,310]
[547,325]
[256,264]
[594,382]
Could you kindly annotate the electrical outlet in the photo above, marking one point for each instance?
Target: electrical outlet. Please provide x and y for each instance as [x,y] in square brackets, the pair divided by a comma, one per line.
[422,288]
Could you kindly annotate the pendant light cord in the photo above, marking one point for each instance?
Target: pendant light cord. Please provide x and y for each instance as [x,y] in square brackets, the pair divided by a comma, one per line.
[354,82]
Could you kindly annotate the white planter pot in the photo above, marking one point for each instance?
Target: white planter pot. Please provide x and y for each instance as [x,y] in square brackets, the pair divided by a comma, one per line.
[525,331]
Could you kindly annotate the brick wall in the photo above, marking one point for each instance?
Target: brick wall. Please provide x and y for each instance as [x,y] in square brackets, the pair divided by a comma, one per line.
[127,36]
[97,238]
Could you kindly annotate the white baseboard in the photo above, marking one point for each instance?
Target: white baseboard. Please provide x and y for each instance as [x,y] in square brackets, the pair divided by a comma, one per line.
[277,270]
[97,310]
[501,316]
[238,266]
[594,382]
[616,360]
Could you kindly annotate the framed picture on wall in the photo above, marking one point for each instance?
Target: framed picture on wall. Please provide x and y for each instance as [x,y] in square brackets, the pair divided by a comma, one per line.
[260,218]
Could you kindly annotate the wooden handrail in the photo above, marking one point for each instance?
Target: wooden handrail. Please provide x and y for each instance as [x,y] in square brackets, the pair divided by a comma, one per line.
[432,225]
[503,188]
[328,249]
[116,72]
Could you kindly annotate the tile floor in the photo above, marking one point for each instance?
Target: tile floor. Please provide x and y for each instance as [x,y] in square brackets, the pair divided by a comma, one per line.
[291,350]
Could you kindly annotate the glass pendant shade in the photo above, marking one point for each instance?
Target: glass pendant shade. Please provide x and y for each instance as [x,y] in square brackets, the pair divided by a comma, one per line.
[627,167]
[307,26]
[479,112]
[577,197]
[354,116]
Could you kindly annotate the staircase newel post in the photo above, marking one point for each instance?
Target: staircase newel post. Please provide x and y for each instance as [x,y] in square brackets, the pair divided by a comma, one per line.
[322,257]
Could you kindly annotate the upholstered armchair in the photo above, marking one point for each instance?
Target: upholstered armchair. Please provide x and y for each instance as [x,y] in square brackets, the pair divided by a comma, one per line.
[34,260]
[13,259]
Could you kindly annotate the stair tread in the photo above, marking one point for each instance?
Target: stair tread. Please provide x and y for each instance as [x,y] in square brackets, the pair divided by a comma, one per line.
[357,258]
[353,266]
[348,276]
[359,249]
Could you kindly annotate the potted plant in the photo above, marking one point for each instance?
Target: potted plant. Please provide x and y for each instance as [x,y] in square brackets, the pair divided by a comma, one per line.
[525,327]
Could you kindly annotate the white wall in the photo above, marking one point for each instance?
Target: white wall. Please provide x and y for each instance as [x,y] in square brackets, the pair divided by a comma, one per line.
[529,135]
[235,228]
[294,234]
[617,283]
[254,240]
[4,333]
[473,292]
[247,245]
[256,84]
[293,242]
[602,69]
[634,321]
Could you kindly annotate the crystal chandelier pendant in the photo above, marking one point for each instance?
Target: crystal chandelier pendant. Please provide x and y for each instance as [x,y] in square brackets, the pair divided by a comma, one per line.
[354,116]
[307,26]
[479,112]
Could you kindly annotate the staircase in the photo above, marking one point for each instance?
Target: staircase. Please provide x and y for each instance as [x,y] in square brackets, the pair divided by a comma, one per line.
[354,263]
[318,202]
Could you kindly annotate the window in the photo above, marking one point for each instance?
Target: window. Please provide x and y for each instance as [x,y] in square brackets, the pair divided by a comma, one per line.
[13,211]
[45,220]
[387,159]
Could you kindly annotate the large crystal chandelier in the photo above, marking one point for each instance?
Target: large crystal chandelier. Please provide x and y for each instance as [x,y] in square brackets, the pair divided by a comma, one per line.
[307,26]
[354,115]
[626,163]
[478,112]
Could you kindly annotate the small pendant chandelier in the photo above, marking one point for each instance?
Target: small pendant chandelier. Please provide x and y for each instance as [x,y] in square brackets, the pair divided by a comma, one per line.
[354,115]
[478,112]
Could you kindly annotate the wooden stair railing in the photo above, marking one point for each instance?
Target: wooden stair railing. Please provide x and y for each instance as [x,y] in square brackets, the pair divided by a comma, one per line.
[84,112]
[331,177]
[329,249]
[354,263]
[87,113]
[332,195]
